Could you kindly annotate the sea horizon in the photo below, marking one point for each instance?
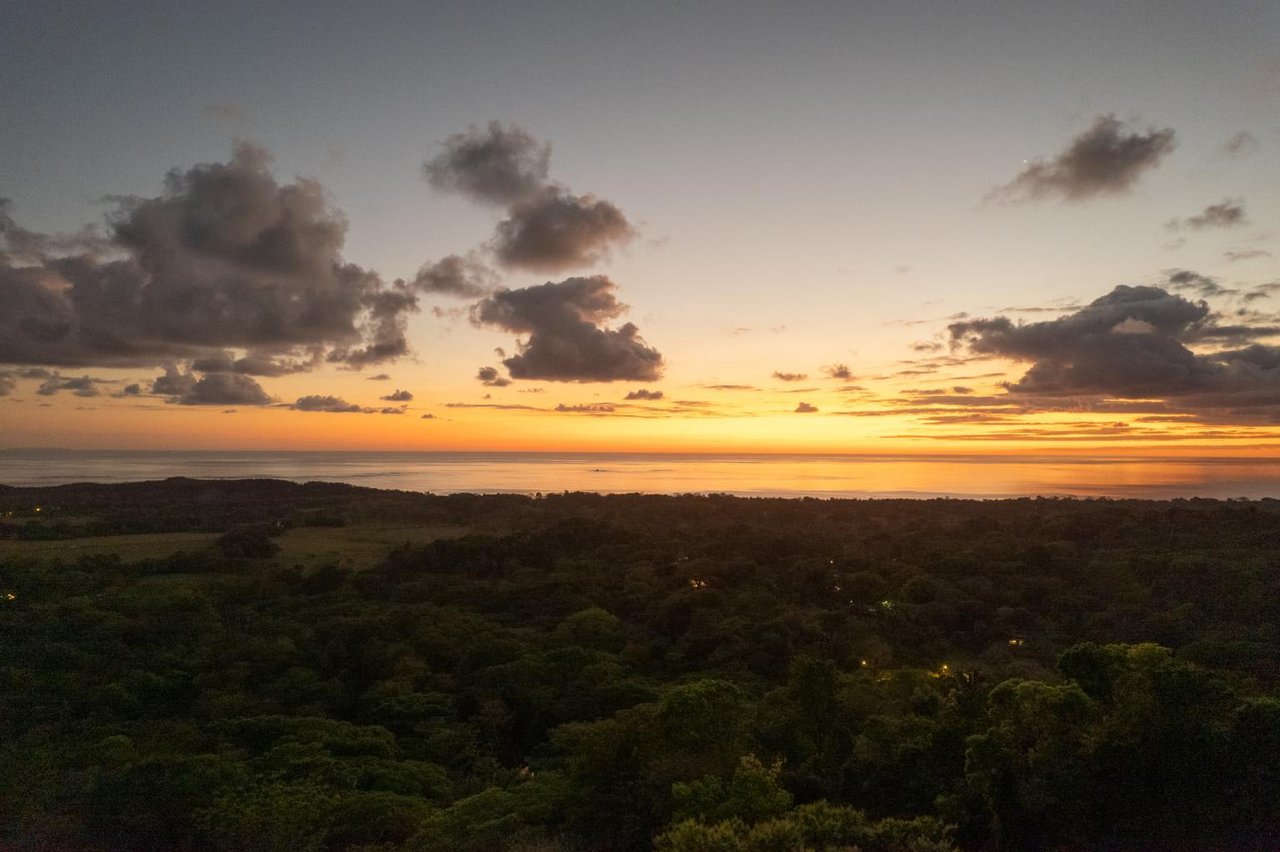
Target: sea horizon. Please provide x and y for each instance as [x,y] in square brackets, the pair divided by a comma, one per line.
[790,474]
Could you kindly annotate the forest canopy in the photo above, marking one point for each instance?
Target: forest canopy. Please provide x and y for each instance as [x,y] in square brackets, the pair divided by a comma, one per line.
[627,672]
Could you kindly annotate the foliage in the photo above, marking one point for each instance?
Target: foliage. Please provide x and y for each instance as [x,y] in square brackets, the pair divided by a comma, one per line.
[615,673]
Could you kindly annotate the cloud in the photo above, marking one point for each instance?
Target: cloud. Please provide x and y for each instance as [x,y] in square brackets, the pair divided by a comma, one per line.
[557,230]
[224,258]
[548,228]
[329,404]
[567,339]
[1247,254]
[1134,344]
[225,389]
[174,382]
[1201,285]
[590,408]
[489,377]
[1105,159]
[1226,214]
[380,377]
[464,277]
[504,407]
[838,371]
[790,377]
[253,364]
[806,408]
[428,417]
[1262,291]
[391,411]
[643,394]
[215,388]
[501,164]
[83,386]
[384,328]
[1240,145]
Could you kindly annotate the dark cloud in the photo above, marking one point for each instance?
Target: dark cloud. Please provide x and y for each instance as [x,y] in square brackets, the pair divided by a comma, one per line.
[380,377]
[643,394]
[1106,159]
[1226,214]
[548,228]
[806,408]
[1125,342]
[253,364]
[224,258]
[790,377]
[132,390]
[391,411]
[225,389]
[329,404]
[463,277]
[1201,285]
[83,386]
[590,408]
[383,327]
[174,382]
[838,371]
[55,383]
[567,340]
[398,396]
[428,417]
[1262,291]
[557,230]
[490,377]
[1133,344]
[214,388]
[500,164]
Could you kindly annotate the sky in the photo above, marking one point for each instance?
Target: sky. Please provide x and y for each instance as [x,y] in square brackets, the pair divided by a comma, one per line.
[773,227]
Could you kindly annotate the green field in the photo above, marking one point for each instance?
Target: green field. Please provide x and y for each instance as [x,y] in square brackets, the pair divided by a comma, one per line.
[353,546]
[349,547]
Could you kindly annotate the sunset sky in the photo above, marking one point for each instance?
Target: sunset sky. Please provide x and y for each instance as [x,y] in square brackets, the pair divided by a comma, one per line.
[856,227]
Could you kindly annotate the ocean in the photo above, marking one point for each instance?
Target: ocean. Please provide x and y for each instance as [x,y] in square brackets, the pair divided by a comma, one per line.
[747,475]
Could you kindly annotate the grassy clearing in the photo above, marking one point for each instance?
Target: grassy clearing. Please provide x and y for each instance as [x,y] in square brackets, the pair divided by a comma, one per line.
[349,547]
[129,547]
[353,546]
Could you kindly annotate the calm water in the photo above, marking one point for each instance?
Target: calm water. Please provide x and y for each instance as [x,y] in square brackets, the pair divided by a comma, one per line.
[753,475]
